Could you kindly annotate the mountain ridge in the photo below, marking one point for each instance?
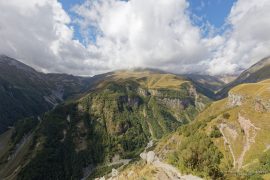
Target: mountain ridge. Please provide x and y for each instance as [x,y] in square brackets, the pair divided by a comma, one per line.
[29,92]
[257,72]
[115,118]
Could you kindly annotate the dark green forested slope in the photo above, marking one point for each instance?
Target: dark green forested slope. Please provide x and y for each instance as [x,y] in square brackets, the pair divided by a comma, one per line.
[25,92]
[117,118]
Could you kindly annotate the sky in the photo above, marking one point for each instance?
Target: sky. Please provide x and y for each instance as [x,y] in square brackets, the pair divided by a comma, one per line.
[88,37]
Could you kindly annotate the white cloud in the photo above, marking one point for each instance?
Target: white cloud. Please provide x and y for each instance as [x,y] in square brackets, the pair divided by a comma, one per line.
[152,33]
[37,33]
[248,40]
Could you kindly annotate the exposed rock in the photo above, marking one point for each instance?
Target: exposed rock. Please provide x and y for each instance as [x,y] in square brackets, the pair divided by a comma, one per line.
[230,129]
[154,92]
[130,101]
[101,178]
[114,173]
[250,132]
[262,105]
[250,135]
[150,144]
[234,99]
[143,155]
[115,158]
[68,118]
[227,142]
[64,135]
[175,103]
[193,92]
[149,157]
[143,92]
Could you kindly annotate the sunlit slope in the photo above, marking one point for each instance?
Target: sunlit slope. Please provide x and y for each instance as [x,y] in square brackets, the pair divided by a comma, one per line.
[151,79]
[256,73]
[238,126]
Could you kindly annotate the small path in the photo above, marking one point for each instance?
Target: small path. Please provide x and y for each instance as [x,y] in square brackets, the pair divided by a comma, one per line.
[173,173]
[227,142]
[250,132]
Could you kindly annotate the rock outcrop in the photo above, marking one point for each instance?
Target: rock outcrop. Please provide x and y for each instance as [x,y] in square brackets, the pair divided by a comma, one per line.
[149,157]
[234,99]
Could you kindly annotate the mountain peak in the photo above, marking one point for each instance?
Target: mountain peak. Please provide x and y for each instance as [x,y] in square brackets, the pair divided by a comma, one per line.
[8,61]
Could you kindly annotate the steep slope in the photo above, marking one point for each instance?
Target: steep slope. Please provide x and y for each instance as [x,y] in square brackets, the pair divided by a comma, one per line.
[229,139]
[258,72]
[25,92]
[208,82]
[111,123]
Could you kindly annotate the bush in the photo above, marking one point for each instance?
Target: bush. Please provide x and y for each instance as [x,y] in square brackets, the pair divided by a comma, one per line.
[215,133]
[226,115]
[197,153]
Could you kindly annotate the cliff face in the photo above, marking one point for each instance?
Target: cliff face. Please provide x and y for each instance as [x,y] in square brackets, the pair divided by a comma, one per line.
[159,110]
[234,99]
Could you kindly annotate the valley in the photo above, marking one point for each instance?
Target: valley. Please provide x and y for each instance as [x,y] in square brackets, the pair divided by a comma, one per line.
[134,124]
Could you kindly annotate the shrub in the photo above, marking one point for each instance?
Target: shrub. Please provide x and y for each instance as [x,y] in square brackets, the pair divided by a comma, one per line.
[215,133]
[226,115]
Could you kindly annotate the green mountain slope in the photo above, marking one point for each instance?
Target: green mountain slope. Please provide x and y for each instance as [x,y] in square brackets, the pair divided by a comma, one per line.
[25,92]
[229,139]
[258,72]
[114,120]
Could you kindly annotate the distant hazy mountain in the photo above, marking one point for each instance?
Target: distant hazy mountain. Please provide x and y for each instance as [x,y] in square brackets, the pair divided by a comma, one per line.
[25,92]
[258,72]
[210,82]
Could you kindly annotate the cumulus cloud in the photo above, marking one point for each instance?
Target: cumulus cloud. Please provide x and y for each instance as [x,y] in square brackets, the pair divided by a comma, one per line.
[142,33]
[247,41]
[37,33]
[134,33]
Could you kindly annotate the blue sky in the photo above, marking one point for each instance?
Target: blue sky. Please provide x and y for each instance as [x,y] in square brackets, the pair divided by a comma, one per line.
[180,36]
[67,6]
[214,12]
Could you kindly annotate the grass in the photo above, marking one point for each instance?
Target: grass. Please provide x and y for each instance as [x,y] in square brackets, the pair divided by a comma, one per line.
[250,92]
[261,89]
[13,166]
[151,80]
[214,115]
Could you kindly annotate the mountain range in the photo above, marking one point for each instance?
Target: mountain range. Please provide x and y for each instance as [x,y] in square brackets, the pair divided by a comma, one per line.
[59,126]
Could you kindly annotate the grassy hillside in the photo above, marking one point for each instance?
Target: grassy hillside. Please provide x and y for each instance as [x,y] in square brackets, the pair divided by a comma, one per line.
[115,120]
[258,72]
[230,139]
